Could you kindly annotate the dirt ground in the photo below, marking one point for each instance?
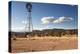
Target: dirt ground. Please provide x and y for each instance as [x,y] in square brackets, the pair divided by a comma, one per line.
[33,44]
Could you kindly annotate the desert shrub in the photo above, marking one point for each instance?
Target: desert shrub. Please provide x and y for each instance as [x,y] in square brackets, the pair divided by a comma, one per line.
[14,38]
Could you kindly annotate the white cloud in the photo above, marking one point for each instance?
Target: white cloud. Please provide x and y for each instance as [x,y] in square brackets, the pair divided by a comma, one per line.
[41,28]
[24,22]
[46,20]
[18,29]
[38,28]
[62,19]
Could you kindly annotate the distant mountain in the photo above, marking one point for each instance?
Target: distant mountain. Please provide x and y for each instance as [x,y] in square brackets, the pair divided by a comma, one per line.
[47,32]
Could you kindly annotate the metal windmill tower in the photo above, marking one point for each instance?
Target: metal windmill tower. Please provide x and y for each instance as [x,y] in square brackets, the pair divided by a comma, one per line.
[29,18]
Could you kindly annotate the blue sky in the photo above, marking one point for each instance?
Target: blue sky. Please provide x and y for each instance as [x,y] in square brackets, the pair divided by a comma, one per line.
[44,16]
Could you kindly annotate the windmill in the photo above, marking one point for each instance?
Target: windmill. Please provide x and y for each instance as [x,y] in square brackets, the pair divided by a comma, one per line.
[29,25]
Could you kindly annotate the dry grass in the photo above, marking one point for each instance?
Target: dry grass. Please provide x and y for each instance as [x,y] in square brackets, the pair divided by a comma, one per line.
[44,43]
